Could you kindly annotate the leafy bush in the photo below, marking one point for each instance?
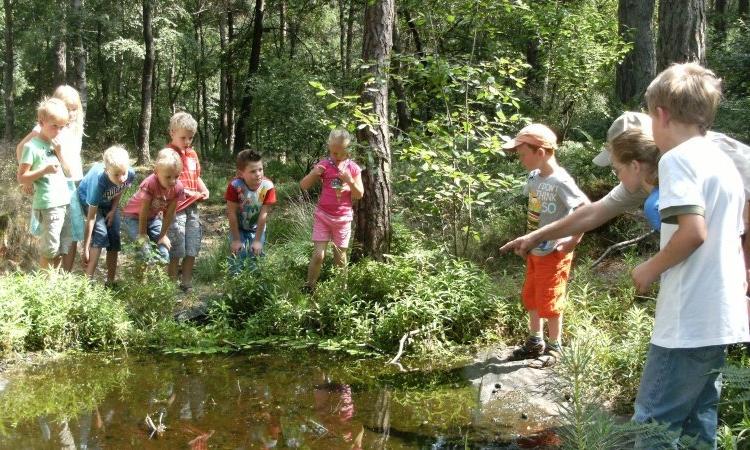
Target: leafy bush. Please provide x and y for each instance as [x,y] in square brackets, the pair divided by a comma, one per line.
[47,310]
[148,294]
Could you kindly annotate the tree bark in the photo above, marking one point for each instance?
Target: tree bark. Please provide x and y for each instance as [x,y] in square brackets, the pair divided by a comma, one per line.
[103,75]
[743,7]
[414,34]
[402,105]
[61,49]
[144,127]
[79,51]
[639,66]
[8,81]
[241,136]
[282,26]
[349,36]
[342,38]
[720,21]
[682,32]
[373,219]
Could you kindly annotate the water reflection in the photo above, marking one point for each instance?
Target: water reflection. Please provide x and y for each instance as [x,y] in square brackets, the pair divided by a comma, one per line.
[240,402]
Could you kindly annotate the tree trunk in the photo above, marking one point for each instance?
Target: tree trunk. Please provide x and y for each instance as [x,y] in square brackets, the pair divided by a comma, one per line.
[230,81]
[8,82]
[144,127]
[349,36]
[79,51]
[414,34]
[342,38]
[402,106]
[103,75]
[282,26]
[223,71]
[639,66]
[743,7]
[682,32]
[61,59]
[241,137]
[720,20]
[373,219]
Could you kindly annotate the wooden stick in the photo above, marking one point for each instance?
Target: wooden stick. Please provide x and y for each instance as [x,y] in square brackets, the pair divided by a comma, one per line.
[621,245]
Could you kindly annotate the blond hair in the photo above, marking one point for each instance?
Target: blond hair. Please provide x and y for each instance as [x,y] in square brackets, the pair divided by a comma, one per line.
[51,108]
[70,97]
[168,159]
[183,121]
[116,157]
[340,135]
[637,145]
[690,92]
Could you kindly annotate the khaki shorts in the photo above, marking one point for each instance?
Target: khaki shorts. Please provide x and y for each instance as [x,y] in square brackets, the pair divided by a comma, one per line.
[185,233]
[55,231]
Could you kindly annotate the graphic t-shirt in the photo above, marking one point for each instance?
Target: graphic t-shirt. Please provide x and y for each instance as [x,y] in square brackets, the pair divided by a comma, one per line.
[250,201]
[96,189]
[50,190]
[550,199]
[160,197]
[191,171]
[336,196]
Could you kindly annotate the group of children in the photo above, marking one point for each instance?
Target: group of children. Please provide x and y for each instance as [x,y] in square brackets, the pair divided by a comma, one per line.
[162,216]
[697,201]
[694,195]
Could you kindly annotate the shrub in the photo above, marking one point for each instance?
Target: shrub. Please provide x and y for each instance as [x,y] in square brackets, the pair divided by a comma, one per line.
[148,294]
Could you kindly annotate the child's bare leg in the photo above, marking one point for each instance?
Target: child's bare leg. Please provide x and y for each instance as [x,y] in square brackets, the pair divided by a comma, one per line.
[316,262]
[339,256]
[69,259]
[188,263]
[554,325]
[94,253]
[174,263]
[535,323]
[111,265]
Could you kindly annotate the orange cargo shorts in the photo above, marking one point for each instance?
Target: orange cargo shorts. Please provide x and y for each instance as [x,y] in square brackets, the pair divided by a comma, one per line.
[545,284]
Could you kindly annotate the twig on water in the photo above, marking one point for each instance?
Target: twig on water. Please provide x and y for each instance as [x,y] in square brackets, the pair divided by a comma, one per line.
[405,339]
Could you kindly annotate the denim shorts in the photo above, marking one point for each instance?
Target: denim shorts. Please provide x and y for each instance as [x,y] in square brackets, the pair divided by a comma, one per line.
[104,236]
[54,231]
[245,257]
[153,230]
[679,389]
[186,233]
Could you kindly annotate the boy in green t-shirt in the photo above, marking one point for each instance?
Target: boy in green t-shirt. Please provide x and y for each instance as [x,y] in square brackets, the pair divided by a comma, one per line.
[42,164]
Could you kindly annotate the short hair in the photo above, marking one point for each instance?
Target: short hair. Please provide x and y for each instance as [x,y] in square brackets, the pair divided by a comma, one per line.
[340,135]
[247,156]
[690,92]
[116,157]
[183,121]
[168,159]
[70,96]
[51,108]
[637,145]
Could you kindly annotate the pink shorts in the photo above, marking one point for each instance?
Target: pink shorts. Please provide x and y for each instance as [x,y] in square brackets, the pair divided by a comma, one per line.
[331,228]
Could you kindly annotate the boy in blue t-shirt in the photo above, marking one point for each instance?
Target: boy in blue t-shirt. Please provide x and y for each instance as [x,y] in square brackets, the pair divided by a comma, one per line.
[100,193]
[249,198]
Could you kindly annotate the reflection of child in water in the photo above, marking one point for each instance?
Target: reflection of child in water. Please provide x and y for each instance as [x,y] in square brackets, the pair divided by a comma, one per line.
[334,406]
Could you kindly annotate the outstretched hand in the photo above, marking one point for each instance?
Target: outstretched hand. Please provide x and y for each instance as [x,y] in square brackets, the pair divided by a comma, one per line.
[520,246]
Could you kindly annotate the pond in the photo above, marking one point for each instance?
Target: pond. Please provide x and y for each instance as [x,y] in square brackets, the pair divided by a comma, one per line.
[260,401]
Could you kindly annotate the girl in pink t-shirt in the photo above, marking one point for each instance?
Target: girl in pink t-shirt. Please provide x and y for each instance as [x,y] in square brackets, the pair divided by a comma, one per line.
[341,180]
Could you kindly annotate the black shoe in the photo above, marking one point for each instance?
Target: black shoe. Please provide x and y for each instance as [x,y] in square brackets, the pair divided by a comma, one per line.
[532,348]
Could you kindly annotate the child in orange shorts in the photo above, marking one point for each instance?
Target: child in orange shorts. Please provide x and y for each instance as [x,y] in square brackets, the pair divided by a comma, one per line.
[553,194]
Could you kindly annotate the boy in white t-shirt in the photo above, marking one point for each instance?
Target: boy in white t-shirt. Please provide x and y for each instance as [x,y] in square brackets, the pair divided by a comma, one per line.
[701,304]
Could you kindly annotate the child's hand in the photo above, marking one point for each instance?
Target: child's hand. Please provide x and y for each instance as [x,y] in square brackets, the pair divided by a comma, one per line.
[110,216]
[85,257]
[204,194]
[642,278]
[165,242]
[346,177]
[318,170]
[51,168]
[235,246]
[56,147]
[256,248]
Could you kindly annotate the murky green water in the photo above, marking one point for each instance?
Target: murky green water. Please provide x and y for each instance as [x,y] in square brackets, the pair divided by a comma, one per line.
[301,400]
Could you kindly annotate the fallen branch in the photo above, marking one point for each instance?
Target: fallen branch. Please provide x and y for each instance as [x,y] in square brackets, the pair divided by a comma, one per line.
[402,343]
[621,245]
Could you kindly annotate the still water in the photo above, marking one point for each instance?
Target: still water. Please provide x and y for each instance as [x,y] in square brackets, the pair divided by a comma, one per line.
[262,401]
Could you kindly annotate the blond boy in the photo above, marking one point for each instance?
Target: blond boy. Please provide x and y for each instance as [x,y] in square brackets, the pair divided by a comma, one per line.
[701,304]
[185,233]
[42,164]
[100,192]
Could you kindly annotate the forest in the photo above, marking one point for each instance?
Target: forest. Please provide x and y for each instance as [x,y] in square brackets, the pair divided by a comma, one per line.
[430,90]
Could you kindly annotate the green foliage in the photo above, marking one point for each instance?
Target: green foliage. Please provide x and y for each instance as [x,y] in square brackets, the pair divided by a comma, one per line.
[52,311]
[147,293]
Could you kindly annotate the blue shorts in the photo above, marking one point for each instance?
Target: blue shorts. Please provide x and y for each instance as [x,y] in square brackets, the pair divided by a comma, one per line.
[185,233]
[153,230]
[104,236]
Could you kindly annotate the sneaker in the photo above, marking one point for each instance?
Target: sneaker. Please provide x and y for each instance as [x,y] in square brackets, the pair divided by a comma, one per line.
[532,348]
[186,288]
[554,349]
[307,289]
